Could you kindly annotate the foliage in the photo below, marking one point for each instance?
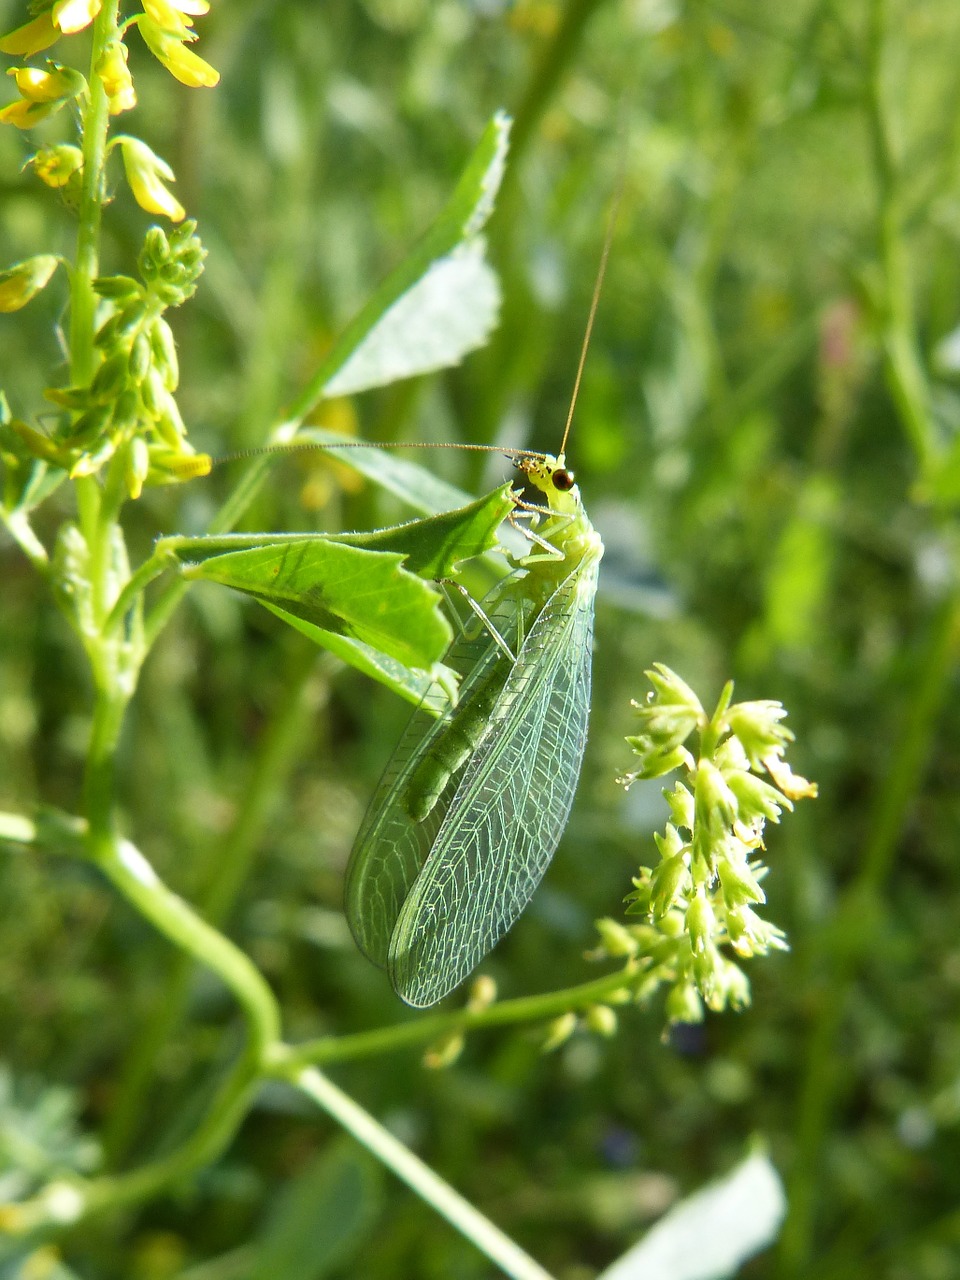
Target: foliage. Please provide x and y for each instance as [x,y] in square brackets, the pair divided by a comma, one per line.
[766,438]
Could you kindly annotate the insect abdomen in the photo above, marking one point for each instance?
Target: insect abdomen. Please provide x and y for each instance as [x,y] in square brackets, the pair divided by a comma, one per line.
[454,746]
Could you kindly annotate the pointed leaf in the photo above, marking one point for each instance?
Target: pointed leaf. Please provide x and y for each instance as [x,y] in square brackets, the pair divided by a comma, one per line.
[451,249]
[366,595]
[435,546]
[451,310]
[410,683]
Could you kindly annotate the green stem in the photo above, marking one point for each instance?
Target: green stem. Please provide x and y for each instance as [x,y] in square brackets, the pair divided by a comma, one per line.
[904,369]
[421,1179]
[133,590]
[101,762]
[425,1030]
[18,526]
[134,878]
[96,122]
[279,749]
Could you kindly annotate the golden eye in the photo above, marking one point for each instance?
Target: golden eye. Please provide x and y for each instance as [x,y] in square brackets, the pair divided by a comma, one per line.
[563,479]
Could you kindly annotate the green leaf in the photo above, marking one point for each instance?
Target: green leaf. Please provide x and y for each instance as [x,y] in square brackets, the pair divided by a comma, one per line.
[322,1218]
[435,546]
[366,595]
[451,310]
[440,303]
[411,683]
[27,480]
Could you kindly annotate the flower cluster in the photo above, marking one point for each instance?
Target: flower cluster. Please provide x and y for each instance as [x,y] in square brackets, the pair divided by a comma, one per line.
[166,27]
[124,413]
[702,895]
[128,409]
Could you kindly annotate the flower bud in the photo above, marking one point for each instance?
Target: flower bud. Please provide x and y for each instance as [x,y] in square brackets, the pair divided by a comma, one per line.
[116,78]
[165,353]
[755,798]
[615,939]
[483,993]
[187,67]
[716,805]
[141,357]
[670,881]
[738,882]
[74,15]
[117,288]
[601,1020]
[681,803]
[701,923]
[684,1004]
[145,174]
[444,1052]
[559,1032]
[110,378]
[54,84]
[789,783]
[24,280]
[57,165]
[137,466]
[33,37]
[736,986]
[757,726]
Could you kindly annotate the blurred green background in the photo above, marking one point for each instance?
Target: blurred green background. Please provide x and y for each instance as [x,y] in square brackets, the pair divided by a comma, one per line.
[765,440]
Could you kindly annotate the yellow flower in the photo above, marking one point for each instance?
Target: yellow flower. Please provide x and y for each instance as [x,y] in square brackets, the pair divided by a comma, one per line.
[169,18]
[24,115]
[145,173]
[187,67]
[116,79]
[74,15]
[33,37]
[24,280]
[57,165]
[55,84]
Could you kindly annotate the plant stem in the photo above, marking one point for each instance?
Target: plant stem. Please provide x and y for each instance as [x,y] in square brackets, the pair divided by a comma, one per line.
[425,1030]
[138,883]
[279,749]
[96,122]
[421,1179]
[904,369]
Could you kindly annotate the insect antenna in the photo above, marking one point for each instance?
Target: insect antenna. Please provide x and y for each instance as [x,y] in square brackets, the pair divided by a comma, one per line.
[592,314]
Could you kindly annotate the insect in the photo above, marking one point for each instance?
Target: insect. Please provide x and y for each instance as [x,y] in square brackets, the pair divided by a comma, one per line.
[470,809]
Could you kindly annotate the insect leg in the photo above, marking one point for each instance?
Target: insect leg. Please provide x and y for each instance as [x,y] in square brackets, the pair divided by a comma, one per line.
[483,618]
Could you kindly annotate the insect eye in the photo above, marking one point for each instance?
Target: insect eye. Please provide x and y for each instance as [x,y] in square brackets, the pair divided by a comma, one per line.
[563,480]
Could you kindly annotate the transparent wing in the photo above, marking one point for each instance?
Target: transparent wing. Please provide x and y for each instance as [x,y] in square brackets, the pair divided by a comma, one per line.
[391,848]
[505,818]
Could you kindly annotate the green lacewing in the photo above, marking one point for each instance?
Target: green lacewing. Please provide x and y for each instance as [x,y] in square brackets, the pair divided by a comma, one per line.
[471,807]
